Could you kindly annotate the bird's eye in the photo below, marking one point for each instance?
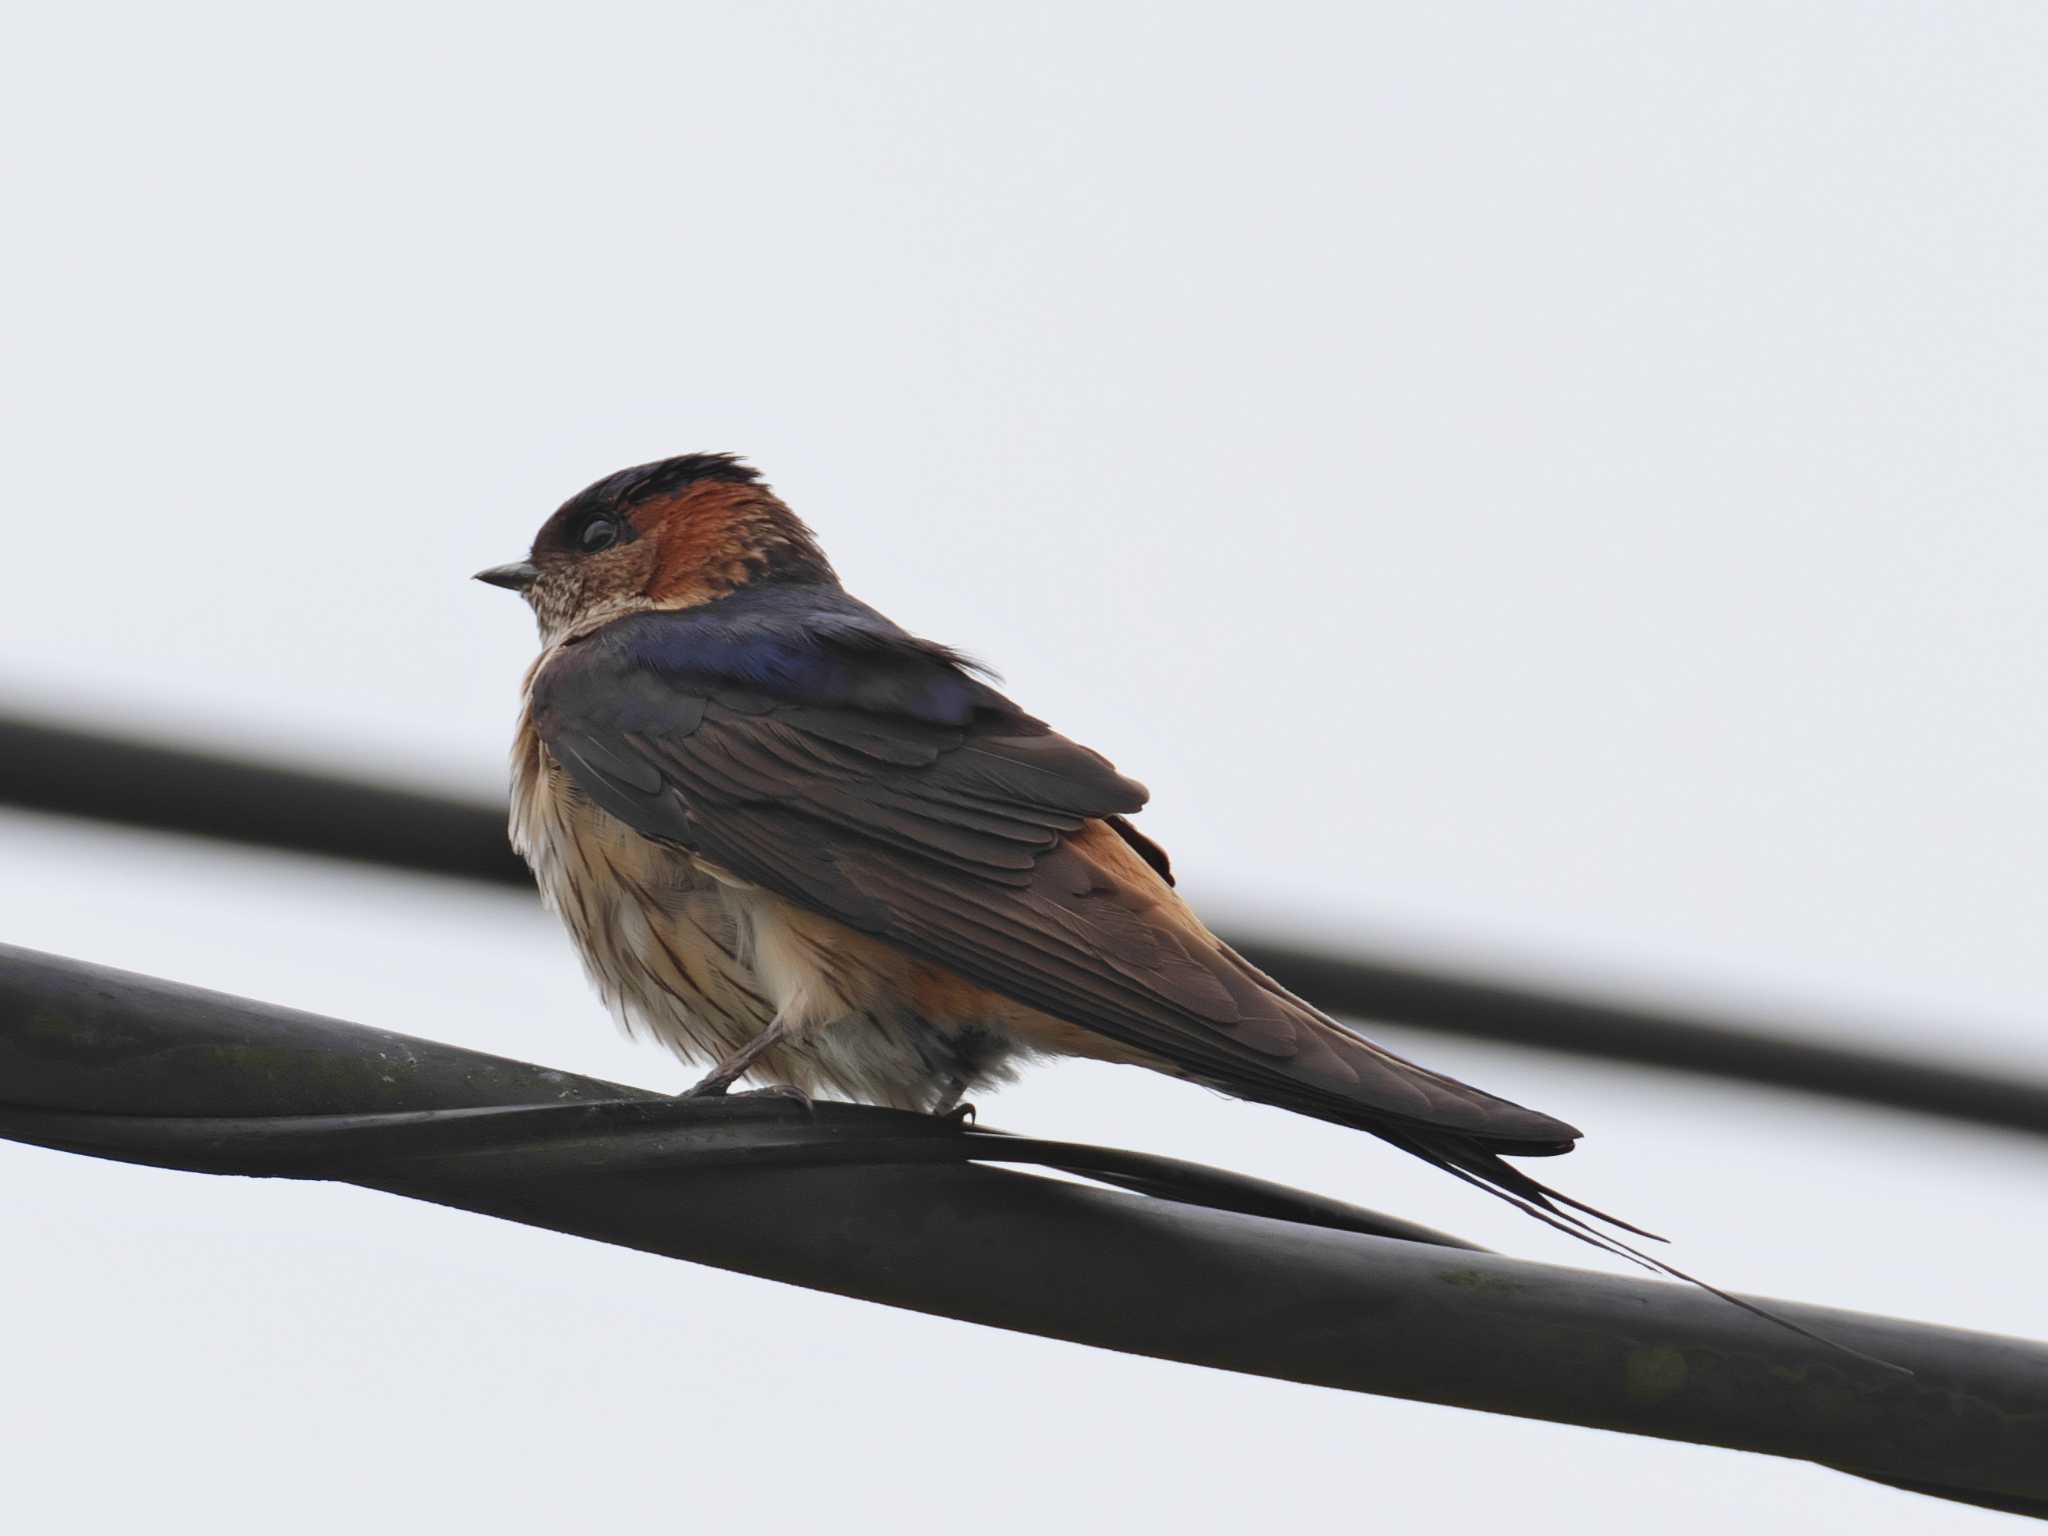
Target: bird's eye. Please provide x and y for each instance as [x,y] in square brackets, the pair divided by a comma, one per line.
[598,533]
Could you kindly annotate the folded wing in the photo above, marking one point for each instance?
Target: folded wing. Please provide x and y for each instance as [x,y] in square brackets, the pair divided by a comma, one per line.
[865,775]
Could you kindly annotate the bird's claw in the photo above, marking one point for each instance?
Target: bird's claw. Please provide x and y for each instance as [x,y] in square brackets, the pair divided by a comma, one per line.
[782,1091]
[719,1086]
[775,1090]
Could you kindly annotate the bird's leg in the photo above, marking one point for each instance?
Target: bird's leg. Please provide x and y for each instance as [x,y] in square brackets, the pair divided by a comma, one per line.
[948,1105]
[734,1067]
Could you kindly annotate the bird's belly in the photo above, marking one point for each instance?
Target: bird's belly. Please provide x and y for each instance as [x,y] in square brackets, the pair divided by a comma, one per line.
[703,963]
[656,934]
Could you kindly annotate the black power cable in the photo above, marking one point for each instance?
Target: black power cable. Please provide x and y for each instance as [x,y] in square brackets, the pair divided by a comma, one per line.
[902,1209]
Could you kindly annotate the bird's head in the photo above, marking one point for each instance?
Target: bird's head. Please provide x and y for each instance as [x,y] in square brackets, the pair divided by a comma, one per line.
[667,535]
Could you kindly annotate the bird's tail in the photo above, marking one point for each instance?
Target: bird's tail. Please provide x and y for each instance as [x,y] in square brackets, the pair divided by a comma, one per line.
[1482,1166]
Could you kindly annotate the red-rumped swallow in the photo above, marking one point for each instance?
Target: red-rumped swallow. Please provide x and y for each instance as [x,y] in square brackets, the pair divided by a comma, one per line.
[792,839]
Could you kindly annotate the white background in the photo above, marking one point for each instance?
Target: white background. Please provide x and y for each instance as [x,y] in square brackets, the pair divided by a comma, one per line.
[1560,488]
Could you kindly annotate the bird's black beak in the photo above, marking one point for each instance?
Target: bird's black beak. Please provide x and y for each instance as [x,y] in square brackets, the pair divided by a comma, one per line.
[516,577]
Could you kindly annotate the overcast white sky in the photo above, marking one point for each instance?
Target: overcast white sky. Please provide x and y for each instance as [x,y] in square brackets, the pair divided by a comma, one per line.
[1562,487]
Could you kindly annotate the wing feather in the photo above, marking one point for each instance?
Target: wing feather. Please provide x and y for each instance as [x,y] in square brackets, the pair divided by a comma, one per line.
[975,838]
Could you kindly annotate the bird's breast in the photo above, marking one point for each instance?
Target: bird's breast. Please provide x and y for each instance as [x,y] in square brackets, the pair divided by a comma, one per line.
[658,936]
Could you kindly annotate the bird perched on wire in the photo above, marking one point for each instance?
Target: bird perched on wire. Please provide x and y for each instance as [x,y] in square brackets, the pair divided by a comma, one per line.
[792,839]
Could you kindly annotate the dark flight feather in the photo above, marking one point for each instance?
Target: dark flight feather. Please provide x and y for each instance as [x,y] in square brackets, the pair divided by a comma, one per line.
[801,740]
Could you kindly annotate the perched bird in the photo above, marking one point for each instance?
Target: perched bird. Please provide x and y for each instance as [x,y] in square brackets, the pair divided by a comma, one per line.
[792,839]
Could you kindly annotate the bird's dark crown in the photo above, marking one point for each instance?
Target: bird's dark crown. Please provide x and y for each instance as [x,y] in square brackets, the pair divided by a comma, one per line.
[629,487]
[618,494]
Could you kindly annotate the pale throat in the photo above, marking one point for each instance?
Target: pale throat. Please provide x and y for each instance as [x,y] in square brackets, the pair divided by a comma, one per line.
[561,621]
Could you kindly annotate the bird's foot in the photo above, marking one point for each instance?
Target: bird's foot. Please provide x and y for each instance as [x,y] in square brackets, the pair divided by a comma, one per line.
[712,1085]
[950,1102]
[718,1085]
[782,1091]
